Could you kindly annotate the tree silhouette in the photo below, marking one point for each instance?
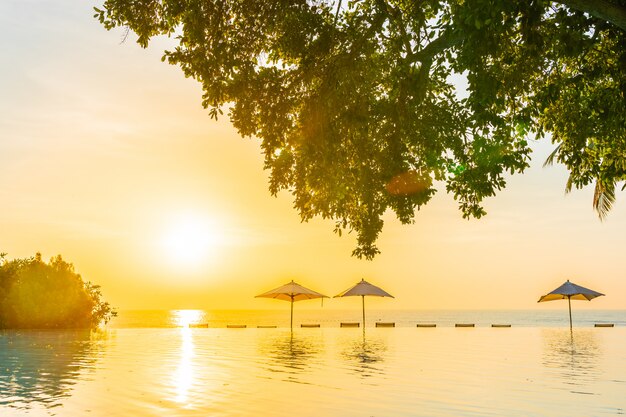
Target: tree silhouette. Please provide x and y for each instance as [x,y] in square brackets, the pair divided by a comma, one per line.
[355,102]
[39,295]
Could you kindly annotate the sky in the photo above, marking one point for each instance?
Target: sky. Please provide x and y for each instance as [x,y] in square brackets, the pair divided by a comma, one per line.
[108,158]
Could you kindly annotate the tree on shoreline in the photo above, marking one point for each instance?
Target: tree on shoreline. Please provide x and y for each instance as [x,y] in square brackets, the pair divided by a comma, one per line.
[356,109]
[39,295]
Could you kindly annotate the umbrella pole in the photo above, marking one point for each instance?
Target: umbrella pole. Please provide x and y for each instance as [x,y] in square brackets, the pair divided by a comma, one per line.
[569,303]
[363,299]
[291,321]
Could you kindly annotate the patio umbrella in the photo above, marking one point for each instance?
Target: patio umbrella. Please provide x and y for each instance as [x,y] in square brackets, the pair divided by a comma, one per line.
[364,288]
[292,292]
[570,291]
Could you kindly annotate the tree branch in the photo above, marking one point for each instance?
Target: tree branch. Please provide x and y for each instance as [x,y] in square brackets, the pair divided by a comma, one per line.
[396,14]
[601,9]
[445,41]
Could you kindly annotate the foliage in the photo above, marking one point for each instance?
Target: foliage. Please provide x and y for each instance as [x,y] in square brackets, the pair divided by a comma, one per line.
[356,106]
[36,294]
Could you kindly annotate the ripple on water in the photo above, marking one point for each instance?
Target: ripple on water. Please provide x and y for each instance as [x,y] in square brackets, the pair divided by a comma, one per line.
[329,372]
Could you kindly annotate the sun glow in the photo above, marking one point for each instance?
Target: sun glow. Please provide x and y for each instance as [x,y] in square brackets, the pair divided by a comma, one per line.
[183,318]
[190,240]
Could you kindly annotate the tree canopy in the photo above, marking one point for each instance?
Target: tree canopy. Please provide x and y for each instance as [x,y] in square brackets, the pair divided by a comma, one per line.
[356,106]
[39,295]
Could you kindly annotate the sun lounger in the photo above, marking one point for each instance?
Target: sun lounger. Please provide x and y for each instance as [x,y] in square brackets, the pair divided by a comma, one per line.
[266,327]
[379,324]
[604,325]
[426,325]
[500,325]
[198,325]
[349,324]
[236,326]
[464,325]
[309,325]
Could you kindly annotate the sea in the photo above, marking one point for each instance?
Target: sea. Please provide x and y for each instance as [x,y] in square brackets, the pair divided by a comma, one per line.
[333,318]
[205,363]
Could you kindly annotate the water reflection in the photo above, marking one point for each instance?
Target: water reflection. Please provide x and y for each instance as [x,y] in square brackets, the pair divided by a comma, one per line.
[183,377]
[291,353]
[574,356]
[364,353]
[40,367]
[183,318]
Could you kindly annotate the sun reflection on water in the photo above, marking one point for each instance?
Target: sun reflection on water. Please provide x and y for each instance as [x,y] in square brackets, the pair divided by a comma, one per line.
[183,377]
[183,318]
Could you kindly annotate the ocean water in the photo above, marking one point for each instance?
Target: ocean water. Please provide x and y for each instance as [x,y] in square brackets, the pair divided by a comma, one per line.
[147,367]
[333,318]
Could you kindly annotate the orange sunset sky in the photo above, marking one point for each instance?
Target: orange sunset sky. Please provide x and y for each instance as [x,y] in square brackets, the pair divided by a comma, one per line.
[108,158]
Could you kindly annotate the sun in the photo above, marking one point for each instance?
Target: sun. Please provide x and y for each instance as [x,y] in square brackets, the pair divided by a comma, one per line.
[190,240]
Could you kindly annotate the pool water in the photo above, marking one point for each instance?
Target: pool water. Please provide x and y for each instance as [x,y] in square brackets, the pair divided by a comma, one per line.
[407,371]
